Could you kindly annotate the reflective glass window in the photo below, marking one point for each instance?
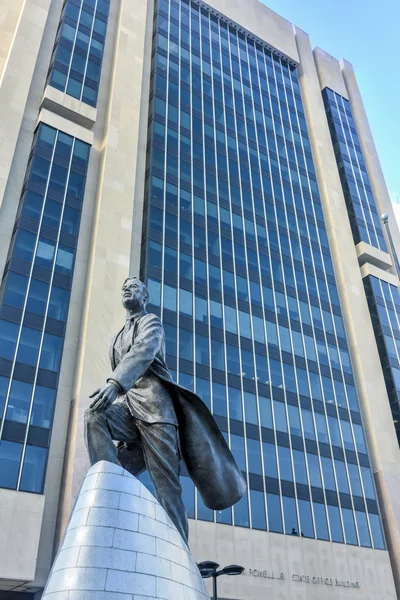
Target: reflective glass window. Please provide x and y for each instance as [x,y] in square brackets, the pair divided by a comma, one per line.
[10,456]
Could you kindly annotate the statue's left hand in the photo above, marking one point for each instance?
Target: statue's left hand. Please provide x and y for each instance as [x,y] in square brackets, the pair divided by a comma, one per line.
[104,397]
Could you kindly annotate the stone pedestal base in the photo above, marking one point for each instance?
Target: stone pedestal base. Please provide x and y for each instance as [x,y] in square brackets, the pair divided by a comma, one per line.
[121,545]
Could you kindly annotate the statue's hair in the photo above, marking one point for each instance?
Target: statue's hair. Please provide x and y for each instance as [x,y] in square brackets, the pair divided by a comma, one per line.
[143,285]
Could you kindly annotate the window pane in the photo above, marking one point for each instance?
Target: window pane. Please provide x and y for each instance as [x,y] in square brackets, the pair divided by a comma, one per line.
[253,456]
[45,253]
[15,289]
[294,420]
[237,448]
[320,521]
[306,524]
[363,531]
[19,401]
[58,305]
[257,509]
[376,528]
[8,338]
[250,408]
[37,297]
[241,512]
[65,260]
[33,469]
[3,391]
[335,524]
[274,513]
[10,456]
[314,470]
[265,412]
[270,468]
[219,399]
[43,405]
[50,357]
[299,467]
[289,512]
[280,416]
[285,463]
[24,245]
[349,526]
[188,495]
[341,477]
[28,347]
[368,482]
[203,512]
[327,471]
[235,403]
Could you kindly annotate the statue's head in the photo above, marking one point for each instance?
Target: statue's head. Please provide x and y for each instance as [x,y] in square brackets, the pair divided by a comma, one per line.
[134,294]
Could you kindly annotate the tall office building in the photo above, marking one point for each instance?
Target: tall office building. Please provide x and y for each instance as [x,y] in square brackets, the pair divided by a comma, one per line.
[209,150]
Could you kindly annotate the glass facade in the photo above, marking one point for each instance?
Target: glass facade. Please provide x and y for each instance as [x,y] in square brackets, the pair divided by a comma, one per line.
[237,261]
[384,306]
[34,299]
[364,219]
[75,65]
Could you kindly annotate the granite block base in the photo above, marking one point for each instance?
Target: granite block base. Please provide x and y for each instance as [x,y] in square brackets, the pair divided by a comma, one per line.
[121,545]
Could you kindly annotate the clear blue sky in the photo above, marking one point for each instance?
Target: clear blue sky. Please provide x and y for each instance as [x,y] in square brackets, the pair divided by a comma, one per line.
[367,34]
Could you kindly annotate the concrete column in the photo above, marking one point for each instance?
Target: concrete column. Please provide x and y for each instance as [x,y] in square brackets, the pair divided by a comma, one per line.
[20,46]
[374,169]
[374,403]
[116,225]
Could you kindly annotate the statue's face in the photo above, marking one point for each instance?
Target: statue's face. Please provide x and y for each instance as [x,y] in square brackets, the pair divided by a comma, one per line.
[133,294]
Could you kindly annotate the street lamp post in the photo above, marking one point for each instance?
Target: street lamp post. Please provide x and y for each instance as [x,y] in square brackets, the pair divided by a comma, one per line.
[208,568]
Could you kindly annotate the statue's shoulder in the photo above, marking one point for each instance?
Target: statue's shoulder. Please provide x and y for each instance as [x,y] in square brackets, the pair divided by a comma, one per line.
[149,318]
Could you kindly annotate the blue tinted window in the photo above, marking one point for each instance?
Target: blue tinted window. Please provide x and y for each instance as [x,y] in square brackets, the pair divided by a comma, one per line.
[10,456]
[349,526]
[188,495]
[37,297]
[33,469]
[241,512]
[306,522]
[237,447]
[270,468]
[377,534]
[75,24]
[285,463]
[257,510]
[3,392]
[43,406]
[15,290]
[274,513]
[206,187]
[314,470]
[335,524]
[19,401]
[254,456]
[32,296]
[58,304]
[28,347]
[320,521]
[299,467]
[363,530]
[290,516]
[327,471]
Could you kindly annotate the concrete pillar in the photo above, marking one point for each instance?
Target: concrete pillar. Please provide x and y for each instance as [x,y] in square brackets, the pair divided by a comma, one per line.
[115,226]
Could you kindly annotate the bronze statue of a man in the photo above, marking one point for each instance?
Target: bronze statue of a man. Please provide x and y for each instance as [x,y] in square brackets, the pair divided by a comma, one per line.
[155,421]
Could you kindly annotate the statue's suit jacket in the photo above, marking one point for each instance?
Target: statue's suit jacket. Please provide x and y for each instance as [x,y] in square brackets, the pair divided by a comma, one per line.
[206,455]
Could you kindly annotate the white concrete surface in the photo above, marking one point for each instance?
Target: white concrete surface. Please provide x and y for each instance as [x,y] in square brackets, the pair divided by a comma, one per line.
[21,520]
[120,544]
